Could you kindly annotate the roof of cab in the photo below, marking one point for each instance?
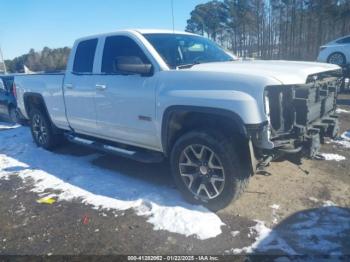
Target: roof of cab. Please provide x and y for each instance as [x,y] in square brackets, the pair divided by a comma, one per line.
[161,31]
[140,31]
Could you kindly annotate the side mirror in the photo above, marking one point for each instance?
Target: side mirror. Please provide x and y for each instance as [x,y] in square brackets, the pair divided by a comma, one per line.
[132,65]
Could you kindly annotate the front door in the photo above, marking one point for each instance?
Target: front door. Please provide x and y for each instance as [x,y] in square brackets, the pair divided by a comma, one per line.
[125,103]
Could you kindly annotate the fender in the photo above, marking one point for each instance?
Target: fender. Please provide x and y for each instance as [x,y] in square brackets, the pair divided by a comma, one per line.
[40,98]
[198,109]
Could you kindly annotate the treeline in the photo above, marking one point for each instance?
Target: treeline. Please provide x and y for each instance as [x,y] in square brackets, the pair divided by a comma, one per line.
[268,29]
[44,60]
[272,29]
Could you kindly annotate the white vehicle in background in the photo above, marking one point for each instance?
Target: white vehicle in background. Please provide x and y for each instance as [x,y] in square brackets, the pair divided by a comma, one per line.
[336,52]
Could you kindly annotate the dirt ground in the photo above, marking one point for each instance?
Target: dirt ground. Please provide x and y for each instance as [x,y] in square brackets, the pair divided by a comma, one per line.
[72,228]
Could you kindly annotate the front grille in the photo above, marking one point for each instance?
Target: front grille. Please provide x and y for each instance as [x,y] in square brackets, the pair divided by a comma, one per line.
[315,100]
[301,105]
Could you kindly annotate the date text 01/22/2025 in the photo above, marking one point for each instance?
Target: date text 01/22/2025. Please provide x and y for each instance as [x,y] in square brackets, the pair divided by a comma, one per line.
[173,258]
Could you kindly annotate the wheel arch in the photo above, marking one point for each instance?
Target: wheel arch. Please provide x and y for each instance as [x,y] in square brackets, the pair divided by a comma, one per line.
[179,119]
[36,100]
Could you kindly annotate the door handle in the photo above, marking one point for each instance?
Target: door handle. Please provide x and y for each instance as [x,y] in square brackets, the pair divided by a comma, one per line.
[68,86]
[101,87]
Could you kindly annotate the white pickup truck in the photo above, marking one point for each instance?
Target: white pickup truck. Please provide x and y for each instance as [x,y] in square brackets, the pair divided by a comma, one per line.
[151,94]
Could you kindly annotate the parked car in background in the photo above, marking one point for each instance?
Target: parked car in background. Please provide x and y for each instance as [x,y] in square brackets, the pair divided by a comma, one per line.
[8,104]
[336,52]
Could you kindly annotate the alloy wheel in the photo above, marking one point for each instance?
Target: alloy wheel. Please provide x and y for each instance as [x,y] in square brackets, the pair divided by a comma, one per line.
[202,172]
[39,129]
[337,59]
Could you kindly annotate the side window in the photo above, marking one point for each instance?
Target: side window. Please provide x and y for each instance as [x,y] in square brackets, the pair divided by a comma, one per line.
[84,56]
[121,49]
[345,40]
[2,86]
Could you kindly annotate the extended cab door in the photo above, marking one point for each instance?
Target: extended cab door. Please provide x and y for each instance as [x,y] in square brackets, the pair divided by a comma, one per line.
[3,98]
[79,88]
[125,102]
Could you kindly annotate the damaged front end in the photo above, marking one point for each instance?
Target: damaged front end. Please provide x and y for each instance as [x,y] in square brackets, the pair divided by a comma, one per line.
[299,118]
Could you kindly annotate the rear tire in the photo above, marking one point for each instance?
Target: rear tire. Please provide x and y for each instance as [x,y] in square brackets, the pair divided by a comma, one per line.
[208,158]
[42,130]
[13,115]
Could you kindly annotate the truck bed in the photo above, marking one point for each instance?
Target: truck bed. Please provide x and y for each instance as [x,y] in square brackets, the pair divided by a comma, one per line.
[50,87]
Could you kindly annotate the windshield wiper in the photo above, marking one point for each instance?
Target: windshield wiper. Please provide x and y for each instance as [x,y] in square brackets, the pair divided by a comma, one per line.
[186,66]
[197,63]
[190,65]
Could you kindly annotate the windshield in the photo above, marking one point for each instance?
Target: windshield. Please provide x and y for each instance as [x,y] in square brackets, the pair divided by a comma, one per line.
[178,50]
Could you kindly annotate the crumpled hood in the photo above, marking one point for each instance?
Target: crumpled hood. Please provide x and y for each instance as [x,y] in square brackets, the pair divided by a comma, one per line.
[287,72]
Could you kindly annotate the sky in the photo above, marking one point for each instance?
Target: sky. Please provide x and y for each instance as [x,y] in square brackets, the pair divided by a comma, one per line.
[34,24]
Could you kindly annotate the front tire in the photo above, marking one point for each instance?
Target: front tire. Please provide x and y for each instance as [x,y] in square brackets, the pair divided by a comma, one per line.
[207,170]
[42,131]
[337,58]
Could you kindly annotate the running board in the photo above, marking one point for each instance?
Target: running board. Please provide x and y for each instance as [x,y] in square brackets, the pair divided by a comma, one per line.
[143,156]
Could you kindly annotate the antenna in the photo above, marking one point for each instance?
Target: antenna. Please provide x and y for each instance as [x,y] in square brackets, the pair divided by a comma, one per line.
[172,13]
[2,61]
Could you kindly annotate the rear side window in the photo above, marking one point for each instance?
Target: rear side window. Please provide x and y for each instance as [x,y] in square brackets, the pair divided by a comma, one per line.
[117,47]
[84,56]
[345,40]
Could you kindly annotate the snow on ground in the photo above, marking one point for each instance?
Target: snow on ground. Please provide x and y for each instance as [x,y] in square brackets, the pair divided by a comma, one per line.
[275,216]
[343,143]
[322,230]
[313,199]
[326,203]
[264,234]
[5,126]
[344,140]
[234,233]
[334,157]
[346,136]
[77,179]
[342,111]
[275,207]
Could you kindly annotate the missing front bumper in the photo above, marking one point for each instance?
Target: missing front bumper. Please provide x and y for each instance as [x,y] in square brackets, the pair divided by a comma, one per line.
[302,142]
